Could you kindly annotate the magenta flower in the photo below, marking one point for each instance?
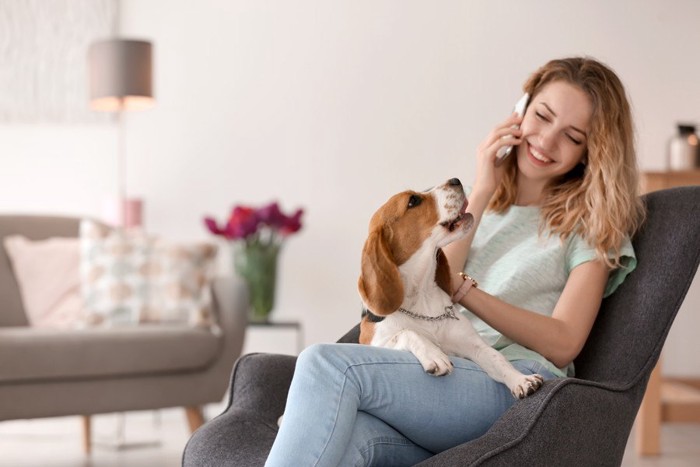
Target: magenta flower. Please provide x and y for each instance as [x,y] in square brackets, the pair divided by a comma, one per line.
[292,224]
[243,222]
[271,215]
[267,224]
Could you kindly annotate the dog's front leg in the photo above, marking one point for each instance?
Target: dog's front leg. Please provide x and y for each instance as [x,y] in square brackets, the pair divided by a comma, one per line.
[500,369]
[470,345]
[431,357]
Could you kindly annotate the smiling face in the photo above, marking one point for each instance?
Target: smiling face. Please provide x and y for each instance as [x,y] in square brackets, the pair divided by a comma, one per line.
[555,131]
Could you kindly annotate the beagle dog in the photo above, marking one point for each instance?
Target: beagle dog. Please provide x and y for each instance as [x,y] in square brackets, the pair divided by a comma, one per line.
[406,288]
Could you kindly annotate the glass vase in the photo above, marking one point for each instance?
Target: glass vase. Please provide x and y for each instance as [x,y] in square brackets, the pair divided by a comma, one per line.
[256,263]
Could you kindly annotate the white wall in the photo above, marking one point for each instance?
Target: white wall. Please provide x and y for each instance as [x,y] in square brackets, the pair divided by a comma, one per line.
[334,106]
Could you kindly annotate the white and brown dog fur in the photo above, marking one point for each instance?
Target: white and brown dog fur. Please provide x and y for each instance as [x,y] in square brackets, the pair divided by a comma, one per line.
[404,273]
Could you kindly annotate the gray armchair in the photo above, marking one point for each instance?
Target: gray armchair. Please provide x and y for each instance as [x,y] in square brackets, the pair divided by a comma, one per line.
[584,420]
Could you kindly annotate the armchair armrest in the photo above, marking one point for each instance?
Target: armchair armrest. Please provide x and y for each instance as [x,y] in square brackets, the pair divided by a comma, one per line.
[230,309]
[260,383]
[536,430]
[243,434]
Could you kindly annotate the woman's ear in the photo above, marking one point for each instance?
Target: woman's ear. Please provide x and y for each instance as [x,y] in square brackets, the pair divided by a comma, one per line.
[443,277]
[380,283]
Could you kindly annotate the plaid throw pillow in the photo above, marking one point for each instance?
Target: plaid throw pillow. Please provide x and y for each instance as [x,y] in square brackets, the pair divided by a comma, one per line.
[128,277]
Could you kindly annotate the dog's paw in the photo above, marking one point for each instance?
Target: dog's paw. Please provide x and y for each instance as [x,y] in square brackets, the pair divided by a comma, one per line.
[436,363]
[527,385]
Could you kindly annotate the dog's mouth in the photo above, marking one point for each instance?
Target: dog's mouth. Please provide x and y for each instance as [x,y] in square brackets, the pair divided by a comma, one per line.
[464,220]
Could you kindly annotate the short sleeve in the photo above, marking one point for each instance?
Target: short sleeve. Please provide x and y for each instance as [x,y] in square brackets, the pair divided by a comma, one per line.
[628,262]
[580,251]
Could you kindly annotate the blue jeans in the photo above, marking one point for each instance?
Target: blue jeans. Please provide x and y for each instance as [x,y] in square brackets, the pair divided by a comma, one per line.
[356,405]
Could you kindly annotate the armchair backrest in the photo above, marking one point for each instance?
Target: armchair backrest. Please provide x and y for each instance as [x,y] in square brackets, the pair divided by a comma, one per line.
[35,228]
[633,323]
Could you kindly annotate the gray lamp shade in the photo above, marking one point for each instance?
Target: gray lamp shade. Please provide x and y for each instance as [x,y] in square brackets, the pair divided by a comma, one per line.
[121,75]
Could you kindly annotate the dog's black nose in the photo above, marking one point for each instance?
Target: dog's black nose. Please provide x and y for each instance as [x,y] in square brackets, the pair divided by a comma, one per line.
[454,182]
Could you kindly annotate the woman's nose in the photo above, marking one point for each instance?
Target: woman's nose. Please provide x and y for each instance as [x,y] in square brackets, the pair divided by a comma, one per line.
[547,139]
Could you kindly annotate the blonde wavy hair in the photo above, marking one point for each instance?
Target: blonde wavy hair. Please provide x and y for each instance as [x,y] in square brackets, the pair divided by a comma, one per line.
[598,199]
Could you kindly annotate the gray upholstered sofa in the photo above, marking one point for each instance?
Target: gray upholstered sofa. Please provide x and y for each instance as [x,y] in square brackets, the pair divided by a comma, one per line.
[570,421]
[45,373]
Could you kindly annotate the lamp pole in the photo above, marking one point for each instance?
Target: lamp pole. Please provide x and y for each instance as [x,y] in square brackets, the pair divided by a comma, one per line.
[120,80]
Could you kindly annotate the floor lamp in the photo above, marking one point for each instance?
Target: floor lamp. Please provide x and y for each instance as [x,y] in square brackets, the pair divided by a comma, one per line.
[121,79]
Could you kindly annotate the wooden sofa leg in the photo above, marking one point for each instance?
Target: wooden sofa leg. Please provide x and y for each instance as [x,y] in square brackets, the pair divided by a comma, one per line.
[195,417]
[87,434]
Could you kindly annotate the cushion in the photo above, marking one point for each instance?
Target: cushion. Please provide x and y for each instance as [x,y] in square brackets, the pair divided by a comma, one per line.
[129,277]
[180,276]
[49,283]
[30,355]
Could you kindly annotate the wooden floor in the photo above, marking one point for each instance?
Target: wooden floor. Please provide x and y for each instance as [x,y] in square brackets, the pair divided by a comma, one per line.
[153,439]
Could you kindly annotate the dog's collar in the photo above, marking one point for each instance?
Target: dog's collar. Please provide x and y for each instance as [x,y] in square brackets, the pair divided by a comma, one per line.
[371,316]
[448,314]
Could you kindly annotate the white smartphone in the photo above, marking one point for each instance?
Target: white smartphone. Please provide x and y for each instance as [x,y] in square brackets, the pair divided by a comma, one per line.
[520,110]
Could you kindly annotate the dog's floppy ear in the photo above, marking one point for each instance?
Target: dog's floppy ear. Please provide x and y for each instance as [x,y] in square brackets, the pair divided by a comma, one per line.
[380,283]
[443,277]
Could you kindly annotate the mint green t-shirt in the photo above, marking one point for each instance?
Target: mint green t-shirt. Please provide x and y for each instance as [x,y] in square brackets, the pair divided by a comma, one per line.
[512,262]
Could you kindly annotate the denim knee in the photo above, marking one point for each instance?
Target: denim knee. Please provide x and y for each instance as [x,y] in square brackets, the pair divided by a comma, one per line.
[310,353]
[313,355]
[320,359]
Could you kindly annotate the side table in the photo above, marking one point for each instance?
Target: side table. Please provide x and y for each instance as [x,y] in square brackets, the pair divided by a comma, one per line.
[666,400]
[255,340]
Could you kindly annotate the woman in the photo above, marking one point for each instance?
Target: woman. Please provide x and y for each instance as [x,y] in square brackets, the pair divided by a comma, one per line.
[551,239]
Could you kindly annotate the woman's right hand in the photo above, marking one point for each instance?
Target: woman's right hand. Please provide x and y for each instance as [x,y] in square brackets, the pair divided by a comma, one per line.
[488,176]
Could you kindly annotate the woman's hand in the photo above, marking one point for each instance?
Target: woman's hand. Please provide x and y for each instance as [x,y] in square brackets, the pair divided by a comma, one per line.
[488,176]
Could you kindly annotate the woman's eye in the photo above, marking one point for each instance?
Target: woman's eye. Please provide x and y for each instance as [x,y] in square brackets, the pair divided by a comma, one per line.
[541,116]
[577,142]
[414,201]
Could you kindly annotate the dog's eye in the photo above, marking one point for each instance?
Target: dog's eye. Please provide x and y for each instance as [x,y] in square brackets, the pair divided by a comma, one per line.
[414,201]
